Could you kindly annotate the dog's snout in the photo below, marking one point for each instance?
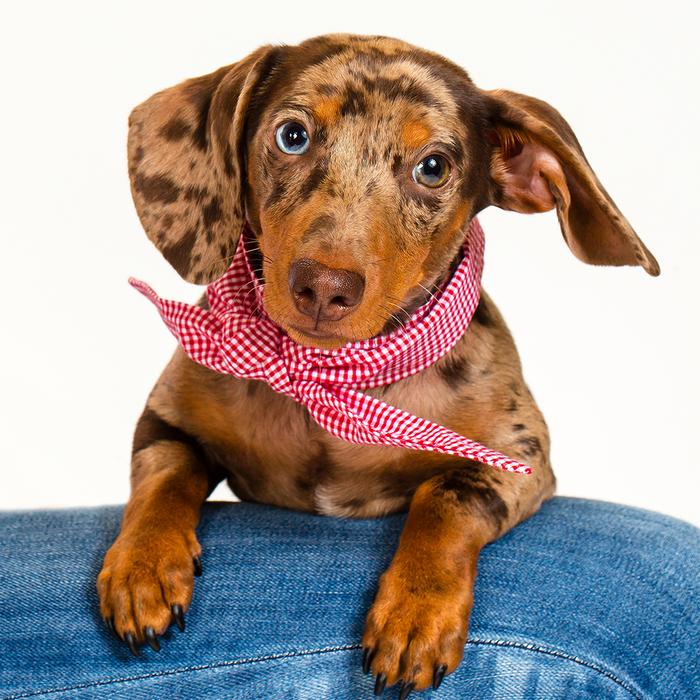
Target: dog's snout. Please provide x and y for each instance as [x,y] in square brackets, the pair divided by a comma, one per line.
[324,293]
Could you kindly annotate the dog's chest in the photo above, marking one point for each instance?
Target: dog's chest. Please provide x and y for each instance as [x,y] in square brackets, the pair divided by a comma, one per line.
[277,454]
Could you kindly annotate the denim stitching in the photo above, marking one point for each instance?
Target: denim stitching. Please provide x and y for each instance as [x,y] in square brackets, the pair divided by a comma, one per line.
[313,652]
[560,655]
[188,669]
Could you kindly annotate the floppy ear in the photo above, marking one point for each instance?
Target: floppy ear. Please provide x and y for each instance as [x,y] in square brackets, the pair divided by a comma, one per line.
[537,164]
[186,155]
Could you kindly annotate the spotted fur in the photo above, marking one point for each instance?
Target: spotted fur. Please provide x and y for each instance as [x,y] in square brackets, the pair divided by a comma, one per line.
[203,162]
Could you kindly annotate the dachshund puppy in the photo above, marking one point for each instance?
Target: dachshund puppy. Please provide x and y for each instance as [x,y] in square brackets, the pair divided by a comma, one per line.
[366,158]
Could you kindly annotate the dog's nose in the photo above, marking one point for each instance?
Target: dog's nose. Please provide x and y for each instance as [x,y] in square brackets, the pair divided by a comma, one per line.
[324,293]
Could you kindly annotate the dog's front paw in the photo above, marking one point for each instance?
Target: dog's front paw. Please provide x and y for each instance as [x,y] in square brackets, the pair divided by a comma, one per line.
[146,583]
[416,629]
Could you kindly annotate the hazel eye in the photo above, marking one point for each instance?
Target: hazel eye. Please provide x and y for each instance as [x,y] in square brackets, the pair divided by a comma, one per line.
[432,171]
[292,138]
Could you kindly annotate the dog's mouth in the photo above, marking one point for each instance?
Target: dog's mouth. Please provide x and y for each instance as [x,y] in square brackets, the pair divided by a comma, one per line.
[319,337]
[329,334]
[303,330]
[354,310]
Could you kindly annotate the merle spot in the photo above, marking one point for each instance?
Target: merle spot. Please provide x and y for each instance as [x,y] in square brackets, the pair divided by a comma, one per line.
[156,189]
[175,130]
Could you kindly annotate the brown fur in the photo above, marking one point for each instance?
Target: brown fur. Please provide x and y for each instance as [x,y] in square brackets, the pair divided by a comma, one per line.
[203,160]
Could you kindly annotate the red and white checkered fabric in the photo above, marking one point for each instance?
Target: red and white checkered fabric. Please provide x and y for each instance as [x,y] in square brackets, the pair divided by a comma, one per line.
[236,336]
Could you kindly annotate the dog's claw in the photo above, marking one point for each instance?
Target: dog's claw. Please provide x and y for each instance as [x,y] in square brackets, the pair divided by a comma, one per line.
[178,616]
[438,675]
[131,641]
[406,689]
[110,625]
[150,635]
[197,566]
[380,684]
[367,657]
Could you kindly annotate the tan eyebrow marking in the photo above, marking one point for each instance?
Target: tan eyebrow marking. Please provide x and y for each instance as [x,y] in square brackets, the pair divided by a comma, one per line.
[326,110]
[415,134]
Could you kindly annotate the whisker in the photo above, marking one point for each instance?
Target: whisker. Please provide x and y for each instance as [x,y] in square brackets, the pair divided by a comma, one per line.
[399,307]
[398,321]
[256,309]
[432,296]
[229,258]
[250,284]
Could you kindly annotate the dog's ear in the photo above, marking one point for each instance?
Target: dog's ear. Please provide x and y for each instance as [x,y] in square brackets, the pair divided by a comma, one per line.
[186,155]
[537,164]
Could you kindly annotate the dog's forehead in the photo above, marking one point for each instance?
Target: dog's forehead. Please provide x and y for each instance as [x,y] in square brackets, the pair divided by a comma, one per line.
[382,90]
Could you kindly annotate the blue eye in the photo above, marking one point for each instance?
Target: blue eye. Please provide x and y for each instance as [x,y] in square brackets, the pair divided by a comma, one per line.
[432,171]
[292,138]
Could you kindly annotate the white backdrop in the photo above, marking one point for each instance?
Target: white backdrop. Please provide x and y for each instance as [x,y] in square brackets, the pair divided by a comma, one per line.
[610,354]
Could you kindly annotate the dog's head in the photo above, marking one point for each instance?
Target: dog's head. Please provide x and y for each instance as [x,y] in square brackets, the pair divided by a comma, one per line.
[357,162]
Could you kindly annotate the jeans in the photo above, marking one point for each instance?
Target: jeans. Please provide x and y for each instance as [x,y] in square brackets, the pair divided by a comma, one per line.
[583,600]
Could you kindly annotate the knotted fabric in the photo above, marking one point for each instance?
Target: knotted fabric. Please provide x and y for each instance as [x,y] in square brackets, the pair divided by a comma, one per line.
[236,336]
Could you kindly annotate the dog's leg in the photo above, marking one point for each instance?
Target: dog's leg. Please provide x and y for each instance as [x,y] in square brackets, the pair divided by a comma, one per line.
[417,627]
[147,577]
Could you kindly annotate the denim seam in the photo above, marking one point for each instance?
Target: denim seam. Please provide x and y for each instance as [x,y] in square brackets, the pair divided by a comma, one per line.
[549,651]
[188,669]
[313,652]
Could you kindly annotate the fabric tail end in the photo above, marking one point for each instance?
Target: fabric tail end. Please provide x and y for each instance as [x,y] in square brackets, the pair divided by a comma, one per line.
[145,289]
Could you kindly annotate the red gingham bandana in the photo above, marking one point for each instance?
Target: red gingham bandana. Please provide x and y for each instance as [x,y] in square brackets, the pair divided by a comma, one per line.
[236,336]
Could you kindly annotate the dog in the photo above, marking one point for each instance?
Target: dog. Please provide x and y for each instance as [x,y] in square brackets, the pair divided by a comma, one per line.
[362,160]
